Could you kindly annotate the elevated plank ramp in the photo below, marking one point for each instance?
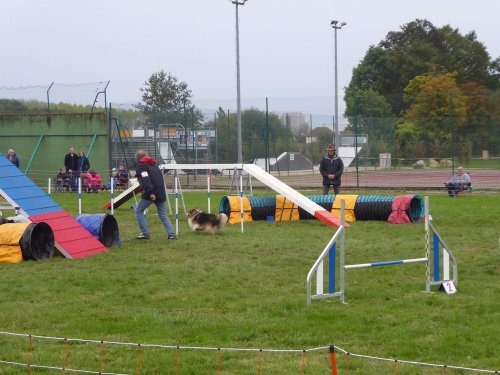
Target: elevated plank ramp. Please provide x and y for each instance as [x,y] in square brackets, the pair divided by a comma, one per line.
[72,240]
[269,180]
[305,203]
[134,188]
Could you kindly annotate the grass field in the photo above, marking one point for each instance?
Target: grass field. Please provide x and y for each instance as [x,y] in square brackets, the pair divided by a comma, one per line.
[247,290]
[493,163]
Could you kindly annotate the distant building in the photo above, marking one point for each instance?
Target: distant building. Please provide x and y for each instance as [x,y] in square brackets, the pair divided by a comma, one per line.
[294,120]
[287,161]
[310,140]
[347,139]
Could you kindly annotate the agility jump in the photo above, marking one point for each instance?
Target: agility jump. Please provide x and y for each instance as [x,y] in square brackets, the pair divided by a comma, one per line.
[433,264]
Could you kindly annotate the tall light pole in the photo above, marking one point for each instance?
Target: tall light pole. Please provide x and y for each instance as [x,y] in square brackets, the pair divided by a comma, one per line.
[237,3]
[336,139]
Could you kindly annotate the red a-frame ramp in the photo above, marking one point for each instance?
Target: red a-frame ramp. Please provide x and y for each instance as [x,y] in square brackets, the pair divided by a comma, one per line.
[72,240]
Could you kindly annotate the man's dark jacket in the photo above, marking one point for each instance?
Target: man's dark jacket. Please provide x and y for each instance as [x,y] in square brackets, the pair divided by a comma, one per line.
[71,162]
[151,179]
[331,165]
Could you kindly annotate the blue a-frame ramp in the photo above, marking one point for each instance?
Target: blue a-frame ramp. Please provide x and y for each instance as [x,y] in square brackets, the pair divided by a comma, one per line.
[72,240]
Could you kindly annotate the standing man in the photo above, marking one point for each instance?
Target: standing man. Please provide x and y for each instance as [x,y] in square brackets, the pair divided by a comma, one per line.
[71,161]
[150,177]
[13,158]
[331,168]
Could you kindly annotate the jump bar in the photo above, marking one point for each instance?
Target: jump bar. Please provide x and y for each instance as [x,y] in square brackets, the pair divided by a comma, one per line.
[388,263]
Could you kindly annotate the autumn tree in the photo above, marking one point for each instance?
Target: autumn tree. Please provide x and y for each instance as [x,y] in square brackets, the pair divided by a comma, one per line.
[435,117]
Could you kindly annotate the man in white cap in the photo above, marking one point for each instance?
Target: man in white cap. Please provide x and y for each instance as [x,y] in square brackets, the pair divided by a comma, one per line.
[331,168]
[13,158]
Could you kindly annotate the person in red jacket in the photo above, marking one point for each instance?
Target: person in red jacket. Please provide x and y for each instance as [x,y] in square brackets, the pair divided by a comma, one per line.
[93,181]
[150,177]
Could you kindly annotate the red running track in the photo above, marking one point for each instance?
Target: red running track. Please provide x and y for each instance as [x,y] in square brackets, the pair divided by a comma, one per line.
[409,178]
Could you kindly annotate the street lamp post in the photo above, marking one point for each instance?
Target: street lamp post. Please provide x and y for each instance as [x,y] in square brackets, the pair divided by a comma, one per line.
[336,140]
[237,3]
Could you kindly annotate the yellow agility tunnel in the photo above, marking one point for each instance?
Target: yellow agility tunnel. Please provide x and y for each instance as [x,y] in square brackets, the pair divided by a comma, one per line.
[25,241]
[357,207]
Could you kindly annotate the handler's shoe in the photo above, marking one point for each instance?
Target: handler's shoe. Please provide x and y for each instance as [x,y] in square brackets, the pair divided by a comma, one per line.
[172,237]
[142,236]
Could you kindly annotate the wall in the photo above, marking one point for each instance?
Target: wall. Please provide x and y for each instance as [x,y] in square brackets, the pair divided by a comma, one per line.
[44,139]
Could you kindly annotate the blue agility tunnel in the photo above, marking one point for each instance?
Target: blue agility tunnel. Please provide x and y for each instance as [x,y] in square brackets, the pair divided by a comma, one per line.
[103,227]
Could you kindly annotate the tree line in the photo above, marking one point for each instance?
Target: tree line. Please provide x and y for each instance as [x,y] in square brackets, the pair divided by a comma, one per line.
[423,91]
[427,91]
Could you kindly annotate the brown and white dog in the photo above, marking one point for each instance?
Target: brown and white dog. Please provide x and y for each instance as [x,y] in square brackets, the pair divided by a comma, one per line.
[199,220]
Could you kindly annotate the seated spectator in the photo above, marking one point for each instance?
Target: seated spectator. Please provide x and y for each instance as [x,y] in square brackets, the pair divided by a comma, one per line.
[121,177]
[87,182]
[97,180]
[13,157]
[458,183]
[62,180]
[93,181]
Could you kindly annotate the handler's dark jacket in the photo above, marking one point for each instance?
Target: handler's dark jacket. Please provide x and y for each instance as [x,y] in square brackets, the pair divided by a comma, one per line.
[331,165]
[151,179]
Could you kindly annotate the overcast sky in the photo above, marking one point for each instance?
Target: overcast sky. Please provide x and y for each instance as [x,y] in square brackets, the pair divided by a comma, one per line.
[286,46]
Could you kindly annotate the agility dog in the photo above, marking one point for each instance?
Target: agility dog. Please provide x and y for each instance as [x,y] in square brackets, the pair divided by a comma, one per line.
[199,220]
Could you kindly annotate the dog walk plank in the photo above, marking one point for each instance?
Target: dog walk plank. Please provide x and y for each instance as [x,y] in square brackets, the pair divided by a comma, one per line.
[305,203]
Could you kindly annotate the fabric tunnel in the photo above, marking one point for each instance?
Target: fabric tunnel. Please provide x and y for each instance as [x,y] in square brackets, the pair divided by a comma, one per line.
[406,209]
[231,206]
[286,210]
[350,202]
[401,209]
[103,227]
[325,201]
[26,241]
[262,207]
[373,207]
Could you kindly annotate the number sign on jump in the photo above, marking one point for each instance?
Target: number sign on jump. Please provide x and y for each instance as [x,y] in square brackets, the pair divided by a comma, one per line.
[449,287]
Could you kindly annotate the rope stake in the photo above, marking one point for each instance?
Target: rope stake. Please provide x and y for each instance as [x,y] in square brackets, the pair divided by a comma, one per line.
[333,360]
[140,359]
[303,362]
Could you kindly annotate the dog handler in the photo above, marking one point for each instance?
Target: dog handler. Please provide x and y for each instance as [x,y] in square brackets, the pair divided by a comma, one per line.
[150,177]
[331,168]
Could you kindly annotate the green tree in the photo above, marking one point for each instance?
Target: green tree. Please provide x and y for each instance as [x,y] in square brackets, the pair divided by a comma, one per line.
[36,106]
[374,118]
[226,136]
[324,136]
[415,50]
[11,106]
[253,135]
[481,124]
[165,99]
